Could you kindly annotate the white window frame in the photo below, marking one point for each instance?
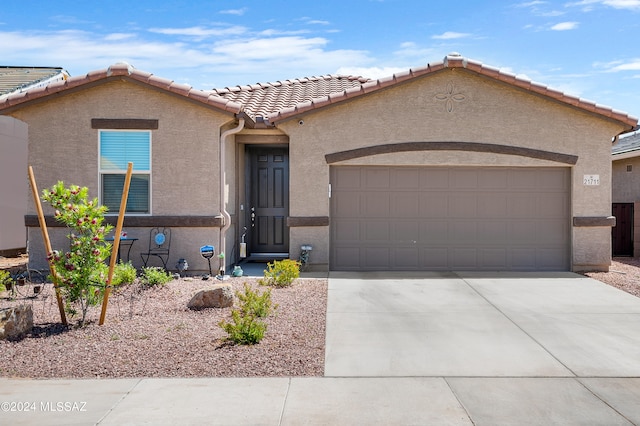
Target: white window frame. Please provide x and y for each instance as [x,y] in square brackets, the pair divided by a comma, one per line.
[124,171]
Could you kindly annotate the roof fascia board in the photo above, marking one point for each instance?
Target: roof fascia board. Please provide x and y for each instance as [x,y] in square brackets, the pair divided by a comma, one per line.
[625,155]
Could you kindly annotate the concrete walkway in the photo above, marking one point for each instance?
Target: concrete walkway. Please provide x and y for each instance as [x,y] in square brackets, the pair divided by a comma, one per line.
[404,349]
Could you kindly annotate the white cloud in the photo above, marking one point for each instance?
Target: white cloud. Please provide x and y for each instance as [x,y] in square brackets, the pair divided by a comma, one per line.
[623,4]
[565,26]
[66,19]
[238,12]
[530,3]
[273,32]
[551,13]
[200,32]
[449,35]
[632,65]
[202,65]
[588,5]
[536,8]
[370,72]
[317,22]
[118,36]
[410,50]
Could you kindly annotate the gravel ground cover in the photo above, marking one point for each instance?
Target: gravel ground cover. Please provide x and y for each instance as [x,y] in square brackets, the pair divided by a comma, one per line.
[151,333]
[624,274]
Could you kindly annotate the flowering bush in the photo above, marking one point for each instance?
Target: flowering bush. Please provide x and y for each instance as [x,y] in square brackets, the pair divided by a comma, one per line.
[81,272]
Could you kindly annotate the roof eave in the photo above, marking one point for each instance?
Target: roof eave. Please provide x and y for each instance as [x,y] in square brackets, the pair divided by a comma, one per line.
[625,155]
[116,72]
[453,61]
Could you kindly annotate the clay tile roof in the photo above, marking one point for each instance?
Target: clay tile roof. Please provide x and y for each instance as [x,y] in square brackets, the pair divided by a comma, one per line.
[453,60]
[263,99]
[120,70]
[19,79]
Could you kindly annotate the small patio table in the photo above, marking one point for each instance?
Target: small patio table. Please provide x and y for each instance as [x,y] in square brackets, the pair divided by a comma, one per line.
[126,242]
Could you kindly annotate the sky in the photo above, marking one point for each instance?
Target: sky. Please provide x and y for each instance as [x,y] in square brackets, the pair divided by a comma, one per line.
[585,48]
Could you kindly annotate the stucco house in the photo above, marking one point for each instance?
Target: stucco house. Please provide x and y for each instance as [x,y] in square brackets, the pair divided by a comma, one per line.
[451,166]
[13,155]
[625,157]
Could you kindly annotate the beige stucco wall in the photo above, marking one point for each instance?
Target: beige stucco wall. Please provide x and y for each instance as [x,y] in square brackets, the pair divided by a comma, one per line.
[185,154]
[491,112]
[13,184]
[626,188]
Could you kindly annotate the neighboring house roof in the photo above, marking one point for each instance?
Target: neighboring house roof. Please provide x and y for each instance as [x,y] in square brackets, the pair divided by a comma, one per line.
[19,79]
[262,99]
[121,70]
[626,147]
[452,60]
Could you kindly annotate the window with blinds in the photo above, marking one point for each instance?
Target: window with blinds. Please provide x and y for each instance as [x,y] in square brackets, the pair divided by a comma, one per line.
[117,149]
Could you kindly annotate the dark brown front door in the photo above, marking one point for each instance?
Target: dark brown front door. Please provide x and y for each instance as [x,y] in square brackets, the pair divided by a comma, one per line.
[622,233]
[269,200]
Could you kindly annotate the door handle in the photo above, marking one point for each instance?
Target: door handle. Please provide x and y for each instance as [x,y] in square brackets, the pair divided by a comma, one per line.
[253,217]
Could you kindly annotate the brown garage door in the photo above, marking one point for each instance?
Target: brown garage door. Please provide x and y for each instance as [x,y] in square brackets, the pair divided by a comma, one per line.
[449,218]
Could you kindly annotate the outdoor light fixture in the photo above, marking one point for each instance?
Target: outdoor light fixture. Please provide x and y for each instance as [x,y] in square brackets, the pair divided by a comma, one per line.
[305,251]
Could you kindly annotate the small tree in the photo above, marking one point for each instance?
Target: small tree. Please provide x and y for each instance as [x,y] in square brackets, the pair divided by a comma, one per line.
[81,272]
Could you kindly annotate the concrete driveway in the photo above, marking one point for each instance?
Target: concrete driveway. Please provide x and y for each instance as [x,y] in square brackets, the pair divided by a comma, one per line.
[508,348]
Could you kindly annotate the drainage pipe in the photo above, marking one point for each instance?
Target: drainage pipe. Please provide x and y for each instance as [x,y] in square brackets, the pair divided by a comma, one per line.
[226,217]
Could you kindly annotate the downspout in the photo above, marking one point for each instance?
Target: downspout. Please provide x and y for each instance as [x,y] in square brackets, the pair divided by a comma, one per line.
[226,217]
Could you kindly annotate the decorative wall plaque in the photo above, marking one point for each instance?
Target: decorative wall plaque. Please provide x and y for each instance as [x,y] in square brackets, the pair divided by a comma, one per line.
[449,97]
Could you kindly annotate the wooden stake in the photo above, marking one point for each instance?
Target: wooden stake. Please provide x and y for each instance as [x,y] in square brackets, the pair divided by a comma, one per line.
[116,242]
[47,244]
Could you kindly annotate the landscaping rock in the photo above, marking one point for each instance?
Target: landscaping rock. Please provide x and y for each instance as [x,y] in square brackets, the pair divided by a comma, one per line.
[218,296]
[15,322]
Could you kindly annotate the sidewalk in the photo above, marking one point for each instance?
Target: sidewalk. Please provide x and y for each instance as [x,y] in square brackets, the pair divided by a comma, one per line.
[404,349]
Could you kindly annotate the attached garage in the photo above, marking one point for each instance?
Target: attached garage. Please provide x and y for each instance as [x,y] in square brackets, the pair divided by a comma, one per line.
[450,218]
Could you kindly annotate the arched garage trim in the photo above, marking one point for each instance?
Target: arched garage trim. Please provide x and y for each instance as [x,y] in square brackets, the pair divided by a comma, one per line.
[450,146]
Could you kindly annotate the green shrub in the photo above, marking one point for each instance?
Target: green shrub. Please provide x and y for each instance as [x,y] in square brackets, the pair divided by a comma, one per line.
[124,273]
[154,275]
[281,273]
[246,327]
[5,278]
[252,303]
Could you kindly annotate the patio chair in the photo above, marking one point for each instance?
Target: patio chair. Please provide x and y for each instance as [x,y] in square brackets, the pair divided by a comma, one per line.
[159,245]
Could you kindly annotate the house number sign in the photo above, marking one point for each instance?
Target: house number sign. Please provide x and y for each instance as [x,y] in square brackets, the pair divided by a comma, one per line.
[591,180]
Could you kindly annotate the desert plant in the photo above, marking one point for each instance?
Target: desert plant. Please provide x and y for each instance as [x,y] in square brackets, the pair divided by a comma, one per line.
[154,275]
[80,272]
[246,327]
[281,273]
[5,278]
[252,303]
[124,273]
